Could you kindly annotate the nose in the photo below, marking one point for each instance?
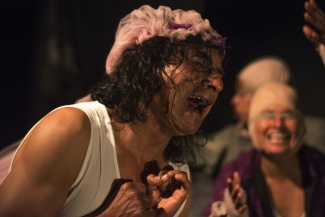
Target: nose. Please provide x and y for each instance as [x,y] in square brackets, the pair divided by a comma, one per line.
[277,121]
[234,99]
[214,82]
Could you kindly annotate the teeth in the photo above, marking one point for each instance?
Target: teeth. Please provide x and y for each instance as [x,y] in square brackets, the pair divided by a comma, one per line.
[277,136]
[196,97]
[201,102]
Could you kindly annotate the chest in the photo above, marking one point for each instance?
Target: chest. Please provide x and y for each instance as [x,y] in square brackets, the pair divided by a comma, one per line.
[131,172]
[130,168]
[288,199]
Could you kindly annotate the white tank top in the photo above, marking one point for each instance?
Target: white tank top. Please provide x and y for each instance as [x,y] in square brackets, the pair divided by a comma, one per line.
[95,178]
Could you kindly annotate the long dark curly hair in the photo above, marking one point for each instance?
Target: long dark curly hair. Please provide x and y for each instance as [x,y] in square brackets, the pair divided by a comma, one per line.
[129,90]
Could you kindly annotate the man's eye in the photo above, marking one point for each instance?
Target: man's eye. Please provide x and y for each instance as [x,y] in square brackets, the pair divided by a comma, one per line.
[199,64]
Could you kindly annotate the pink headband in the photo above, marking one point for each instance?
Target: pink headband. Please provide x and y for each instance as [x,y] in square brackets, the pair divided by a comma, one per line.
[146,22]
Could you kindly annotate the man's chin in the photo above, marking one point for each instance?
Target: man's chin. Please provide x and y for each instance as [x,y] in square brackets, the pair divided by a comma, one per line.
[186,131]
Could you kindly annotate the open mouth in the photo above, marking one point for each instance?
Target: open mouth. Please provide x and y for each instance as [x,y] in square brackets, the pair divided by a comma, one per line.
[197,103]
[278,136]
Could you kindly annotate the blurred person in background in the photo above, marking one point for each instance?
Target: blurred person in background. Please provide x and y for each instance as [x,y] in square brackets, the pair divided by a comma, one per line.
[227,143]
[280,176]
[232,140]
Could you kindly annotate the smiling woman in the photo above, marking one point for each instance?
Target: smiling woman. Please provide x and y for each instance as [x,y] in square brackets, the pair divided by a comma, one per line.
[275,122]
[277,129]
[274,178]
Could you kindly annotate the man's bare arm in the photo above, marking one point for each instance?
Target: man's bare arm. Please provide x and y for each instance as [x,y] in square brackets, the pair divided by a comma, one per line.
[46,165]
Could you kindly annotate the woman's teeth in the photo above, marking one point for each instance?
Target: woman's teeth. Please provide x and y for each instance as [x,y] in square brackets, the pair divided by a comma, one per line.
[278,136]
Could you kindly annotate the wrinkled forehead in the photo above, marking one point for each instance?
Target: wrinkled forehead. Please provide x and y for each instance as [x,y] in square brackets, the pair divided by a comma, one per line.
[194,66]
[206,57]
[198,51]
[208,62]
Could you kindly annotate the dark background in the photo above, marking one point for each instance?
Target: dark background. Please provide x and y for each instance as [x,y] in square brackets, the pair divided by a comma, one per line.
[52,52]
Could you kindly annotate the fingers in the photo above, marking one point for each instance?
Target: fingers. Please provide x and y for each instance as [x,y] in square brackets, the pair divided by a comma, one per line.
[236,178]
[183,178]
[314,4]
[242,208]
[166,183]
[315,22]
[174,188]
[313,36]
[236,196]
[309,33]
[166,169]
[315,16]
[238,199]
[233,186]
[153,192]
[312,7]
[172,181]
[131,200]
[165,178]
[229,185]
[234,193]
[153,181]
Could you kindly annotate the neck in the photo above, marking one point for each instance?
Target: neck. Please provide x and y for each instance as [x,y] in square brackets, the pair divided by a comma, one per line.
[145,141]
[281,167]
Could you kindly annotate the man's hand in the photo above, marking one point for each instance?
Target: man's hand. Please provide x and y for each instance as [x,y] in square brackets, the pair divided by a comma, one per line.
[167,191]
[131,200]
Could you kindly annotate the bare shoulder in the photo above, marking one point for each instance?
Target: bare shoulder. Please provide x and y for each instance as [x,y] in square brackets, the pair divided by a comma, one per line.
[48,162]
[58,134]
[62,135]
[68,120]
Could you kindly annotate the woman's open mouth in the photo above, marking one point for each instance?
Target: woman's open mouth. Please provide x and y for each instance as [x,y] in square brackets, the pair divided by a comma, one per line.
[277,137]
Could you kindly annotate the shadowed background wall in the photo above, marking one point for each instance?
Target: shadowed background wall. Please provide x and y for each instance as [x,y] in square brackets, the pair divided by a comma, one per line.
[52,52]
